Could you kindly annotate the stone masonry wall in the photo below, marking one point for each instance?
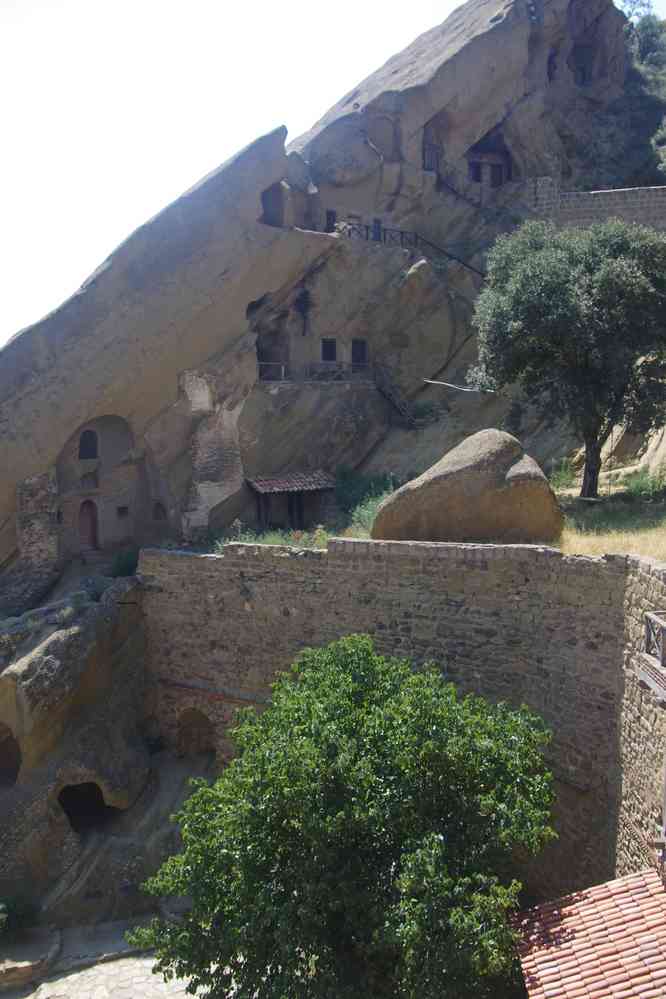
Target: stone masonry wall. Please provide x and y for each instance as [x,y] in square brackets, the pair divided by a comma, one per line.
[523,624]
[646,205]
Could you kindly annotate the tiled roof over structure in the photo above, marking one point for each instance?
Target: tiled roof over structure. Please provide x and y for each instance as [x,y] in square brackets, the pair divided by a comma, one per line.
[298,482]
[608,942]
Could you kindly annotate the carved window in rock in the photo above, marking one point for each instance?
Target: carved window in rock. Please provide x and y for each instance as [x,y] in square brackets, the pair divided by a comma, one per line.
[476,171]
[88,445]
[359,354]
[329,350]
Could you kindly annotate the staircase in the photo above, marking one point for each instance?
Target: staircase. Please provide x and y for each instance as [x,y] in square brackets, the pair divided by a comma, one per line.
[394,395]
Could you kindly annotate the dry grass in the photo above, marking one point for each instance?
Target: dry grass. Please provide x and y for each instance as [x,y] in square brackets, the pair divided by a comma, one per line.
[618,524]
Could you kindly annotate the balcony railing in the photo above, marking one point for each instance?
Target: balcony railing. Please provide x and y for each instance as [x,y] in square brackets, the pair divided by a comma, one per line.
[655,642]
[317,371]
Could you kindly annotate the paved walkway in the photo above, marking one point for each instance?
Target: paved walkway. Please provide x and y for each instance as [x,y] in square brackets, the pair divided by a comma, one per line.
[126,978]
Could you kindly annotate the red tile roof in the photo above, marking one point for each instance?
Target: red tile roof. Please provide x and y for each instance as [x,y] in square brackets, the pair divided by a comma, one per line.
[607,942]
[298,482]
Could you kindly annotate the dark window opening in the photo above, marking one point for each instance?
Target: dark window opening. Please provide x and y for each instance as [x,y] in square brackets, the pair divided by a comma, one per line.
[88,445]
[432,156]
[476,172]
[159,512]
[123,512]
[84,806]
[331,220]
[377,230]
[359,352]
[582,76]
[272,203]
[329,350]
[10,757]
[496,175]
[196,734]
[59,517]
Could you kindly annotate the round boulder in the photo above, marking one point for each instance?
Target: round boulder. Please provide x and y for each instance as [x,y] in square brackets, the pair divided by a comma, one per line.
[486,489]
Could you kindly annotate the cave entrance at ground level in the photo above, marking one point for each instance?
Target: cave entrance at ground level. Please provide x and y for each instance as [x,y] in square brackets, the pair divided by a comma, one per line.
[88,525]
[10,757]
[196,735]
[84,806]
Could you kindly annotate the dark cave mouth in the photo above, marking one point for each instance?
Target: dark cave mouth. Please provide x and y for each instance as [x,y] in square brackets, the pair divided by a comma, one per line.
[86,809]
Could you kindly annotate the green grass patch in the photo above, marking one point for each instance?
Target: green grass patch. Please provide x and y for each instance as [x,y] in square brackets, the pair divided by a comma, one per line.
[563,475]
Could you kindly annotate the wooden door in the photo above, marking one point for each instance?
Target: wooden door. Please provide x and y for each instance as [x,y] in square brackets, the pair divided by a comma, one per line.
[88,525]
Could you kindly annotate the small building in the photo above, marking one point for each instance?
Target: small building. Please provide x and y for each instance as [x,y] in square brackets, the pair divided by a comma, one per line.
[297,500]
[608,942]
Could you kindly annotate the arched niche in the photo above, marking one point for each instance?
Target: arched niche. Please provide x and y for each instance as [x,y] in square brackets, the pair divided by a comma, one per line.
[196,733]
[85,807]
[10,757]
[107,441]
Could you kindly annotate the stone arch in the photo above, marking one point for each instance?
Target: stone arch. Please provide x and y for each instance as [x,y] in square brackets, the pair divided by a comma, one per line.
[85,807]
[196,733]
[88,445]
[10,757]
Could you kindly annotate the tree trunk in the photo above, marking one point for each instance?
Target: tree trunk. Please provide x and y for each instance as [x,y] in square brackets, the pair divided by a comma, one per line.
[590,488]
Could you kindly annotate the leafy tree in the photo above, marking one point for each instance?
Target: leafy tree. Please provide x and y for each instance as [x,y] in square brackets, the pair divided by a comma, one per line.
[577,318]
[358,845]
[649,41]
[635,9]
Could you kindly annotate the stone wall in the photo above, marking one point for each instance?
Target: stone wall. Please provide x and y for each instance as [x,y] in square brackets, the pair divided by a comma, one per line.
[646,205]
[524,624]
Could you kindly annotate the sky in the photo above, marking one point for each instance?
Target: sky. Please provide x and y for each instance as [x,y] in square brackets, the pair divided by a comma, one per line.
[110,110]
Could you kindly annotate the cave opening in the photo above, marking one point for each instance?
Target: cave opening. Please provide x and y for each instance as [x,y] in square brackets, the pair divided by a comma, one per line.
[10,757]
[85,807]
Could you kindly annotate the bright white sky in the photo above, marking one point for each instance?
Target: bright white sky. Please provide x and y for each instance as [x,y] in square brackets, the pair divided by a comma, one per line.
[111,109]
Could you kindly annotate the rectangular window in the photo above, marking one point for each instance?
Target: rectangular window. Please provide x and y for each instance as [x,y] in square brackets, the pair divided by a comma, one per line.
[329,350]
[359,352]
[496,175]
[475,172]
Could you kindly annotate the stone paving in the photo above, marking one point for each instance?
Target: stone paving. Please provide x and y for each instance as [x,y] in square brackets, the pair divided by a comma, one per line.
[127,978]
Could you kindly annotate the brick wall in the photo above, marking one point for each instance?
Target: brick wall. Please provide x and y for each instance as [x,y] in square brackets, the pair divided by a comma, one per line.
[528,625]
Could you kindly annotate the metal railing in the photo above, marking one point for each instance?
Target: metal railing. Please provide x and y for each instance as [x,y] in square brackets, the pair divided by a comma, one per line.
[376,233]
[316,371]
[655,643]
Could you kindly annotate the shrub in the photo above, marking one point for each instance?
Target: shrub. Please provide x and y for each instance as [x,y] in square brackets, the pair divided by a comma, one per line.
[563,476]
[359,844]
[352,488]
[125,563]
[16,914]
[646,485]
[363,516]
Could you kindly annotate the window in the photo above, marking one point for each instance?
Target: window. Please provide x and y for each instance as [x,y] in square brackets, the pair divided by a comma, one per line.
[88,445]
[496,175]
[159,512]
[377,230]
[329,351]
[359,353]
[476,172]
[331,220]
[123,512]
[431,157]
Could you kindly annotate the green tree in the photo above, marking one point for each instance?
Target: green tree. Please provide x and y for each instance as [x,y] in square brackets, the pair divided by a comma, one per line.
[360,842]
[635,9]
[649,41]
[577,317]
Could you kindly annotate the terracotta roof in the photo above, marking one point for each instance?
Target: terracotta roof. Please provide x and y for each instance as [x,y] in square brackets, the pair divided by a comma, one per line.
[298,482]
[607,942]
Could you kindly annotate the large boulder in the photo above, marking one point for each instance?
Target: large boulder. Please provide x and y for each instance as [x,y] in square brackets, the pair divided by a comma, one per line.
[486,489]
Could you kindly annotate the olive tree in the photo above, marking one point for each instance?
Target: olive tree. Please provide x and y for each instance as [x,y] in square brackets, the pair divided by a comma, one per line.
[577,318]
[361,842]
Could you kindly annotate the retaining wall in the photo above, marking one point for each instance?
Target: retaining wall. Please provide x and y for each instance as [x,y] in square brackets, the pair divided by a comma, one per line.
[524,624]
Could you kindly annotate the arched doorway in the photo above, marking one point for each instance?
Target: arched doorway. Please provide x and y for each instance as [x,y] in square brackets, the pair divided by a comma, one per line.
[84,806]
[88,525]
[10,757]
[196,734]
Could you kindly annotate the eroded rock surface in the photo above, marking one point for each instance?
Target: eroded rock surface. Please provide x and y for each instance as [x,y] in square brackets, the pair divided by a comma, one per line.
[486,489]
